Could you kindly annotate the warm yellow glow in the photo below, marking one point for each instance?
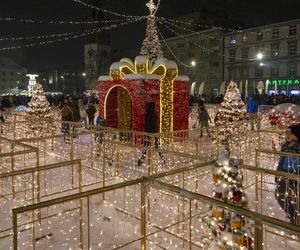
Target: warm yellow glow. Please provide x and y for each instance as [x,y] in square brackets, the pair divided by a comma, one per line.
[124,111]
[105,99]
[167,73]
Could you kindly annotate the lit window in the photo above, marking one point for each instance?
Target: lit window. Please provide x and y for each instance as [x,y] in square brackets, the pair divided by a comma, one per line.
[232,40]
[275,50]
[245,38]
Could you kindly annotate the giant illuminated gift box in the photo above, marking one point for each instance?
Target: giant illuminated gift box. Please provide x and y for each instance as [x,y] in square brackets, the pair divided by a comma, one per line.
[131,85]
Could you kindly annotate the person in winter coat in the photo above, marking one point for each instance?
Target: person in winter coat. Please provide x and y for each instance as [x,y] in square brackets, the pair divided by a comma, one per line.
[66,116]
[252,110]
[75,109]
[100,122]
[287,192]
[150,122]
[91,111]
[82,110]
[203,117]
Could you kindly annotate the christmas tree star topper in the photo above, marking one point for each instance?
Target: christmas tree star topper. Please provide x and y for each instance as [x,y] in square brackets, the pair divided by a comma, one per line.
[152,7]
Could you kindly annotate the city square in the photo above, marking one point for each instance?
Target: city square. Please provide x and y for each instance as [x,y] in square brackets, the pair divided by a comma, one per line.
[191,140]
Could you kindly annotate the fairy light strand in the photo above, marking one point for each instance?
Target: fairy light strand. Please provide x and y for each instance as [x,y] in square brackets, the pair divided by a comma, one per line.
[103,10]
[68,38]
[193,24]
[196,44]
[58,22]
[172,22]
[192,31]
[168,47]
[38,37]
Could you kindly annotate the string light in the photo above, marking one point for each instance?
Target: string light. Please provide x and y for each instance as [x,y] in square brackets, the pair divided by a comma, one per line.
[168,47]
[192,31]
[93,31]
[168,21]
[23,20]
[166,69]
[104,10]
[38,37]
[196,44]
[193,24]
[114,217]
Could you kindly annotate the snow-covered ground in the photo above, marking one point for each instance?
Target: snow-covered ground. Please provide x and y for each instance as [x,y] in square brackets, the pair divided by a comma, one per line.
[116,220]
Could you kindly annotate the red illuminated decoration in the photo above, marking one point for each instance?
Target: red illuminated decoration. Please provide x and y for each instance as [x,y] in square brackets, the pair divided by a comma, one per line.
[124,94]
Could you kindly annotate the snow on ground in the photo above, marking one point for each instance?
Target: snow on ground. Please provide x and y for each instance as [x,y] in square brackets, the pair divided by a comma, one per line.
[110,224]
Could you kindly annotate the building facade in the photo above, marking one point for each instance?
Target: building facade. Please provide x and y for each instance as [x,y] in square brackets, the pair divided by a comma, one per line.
[97,49]
[270,52]
[13,77]
[58,79]
[198,55]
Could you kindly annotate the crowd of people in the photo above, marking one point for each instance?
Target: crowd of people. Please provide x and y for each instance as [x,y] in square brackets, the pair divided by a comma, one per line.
[262,99]
[78,109]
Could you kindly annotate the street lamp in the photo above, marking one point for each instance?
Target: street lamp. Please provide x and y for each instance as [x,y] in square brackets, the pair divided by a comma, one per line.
[83,74]
[259,56]
[193,63]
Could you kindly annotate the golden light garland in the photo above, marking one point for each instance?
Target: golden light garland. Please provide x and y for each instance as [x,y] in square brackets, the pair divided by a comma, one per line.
[63,38]
[88,31]
[55,22]
[166,69]
[103,10]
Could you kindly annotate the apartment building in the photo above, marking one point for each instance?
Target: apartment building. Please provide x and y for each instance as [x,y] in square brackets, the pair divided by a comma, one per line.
[198,55]
[270,52]
[12,76]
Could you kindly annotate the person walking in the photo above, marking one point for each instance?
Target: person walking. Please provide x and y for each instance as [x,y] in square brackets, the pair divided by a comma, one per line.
[82,109]
[287,190]
[203,117]
[66,117]
[91,111]
[252,110]
[150,122]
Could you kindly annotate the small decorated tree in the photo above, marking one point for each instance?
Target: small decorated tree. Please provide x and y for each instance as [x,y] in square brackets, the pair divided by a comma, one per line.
[232,117]
[226,229]
[39,114]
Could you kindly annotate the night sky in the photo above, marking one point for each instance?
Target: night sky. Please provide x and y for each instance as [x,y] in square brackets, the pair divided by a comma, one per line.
[69,54]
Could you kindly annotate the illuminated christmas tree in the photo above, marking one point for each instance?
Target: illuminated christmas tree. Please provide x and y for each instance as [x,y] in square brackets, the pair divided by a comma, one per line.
[151,46]
[232,117]
[39,114]
[226,229]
